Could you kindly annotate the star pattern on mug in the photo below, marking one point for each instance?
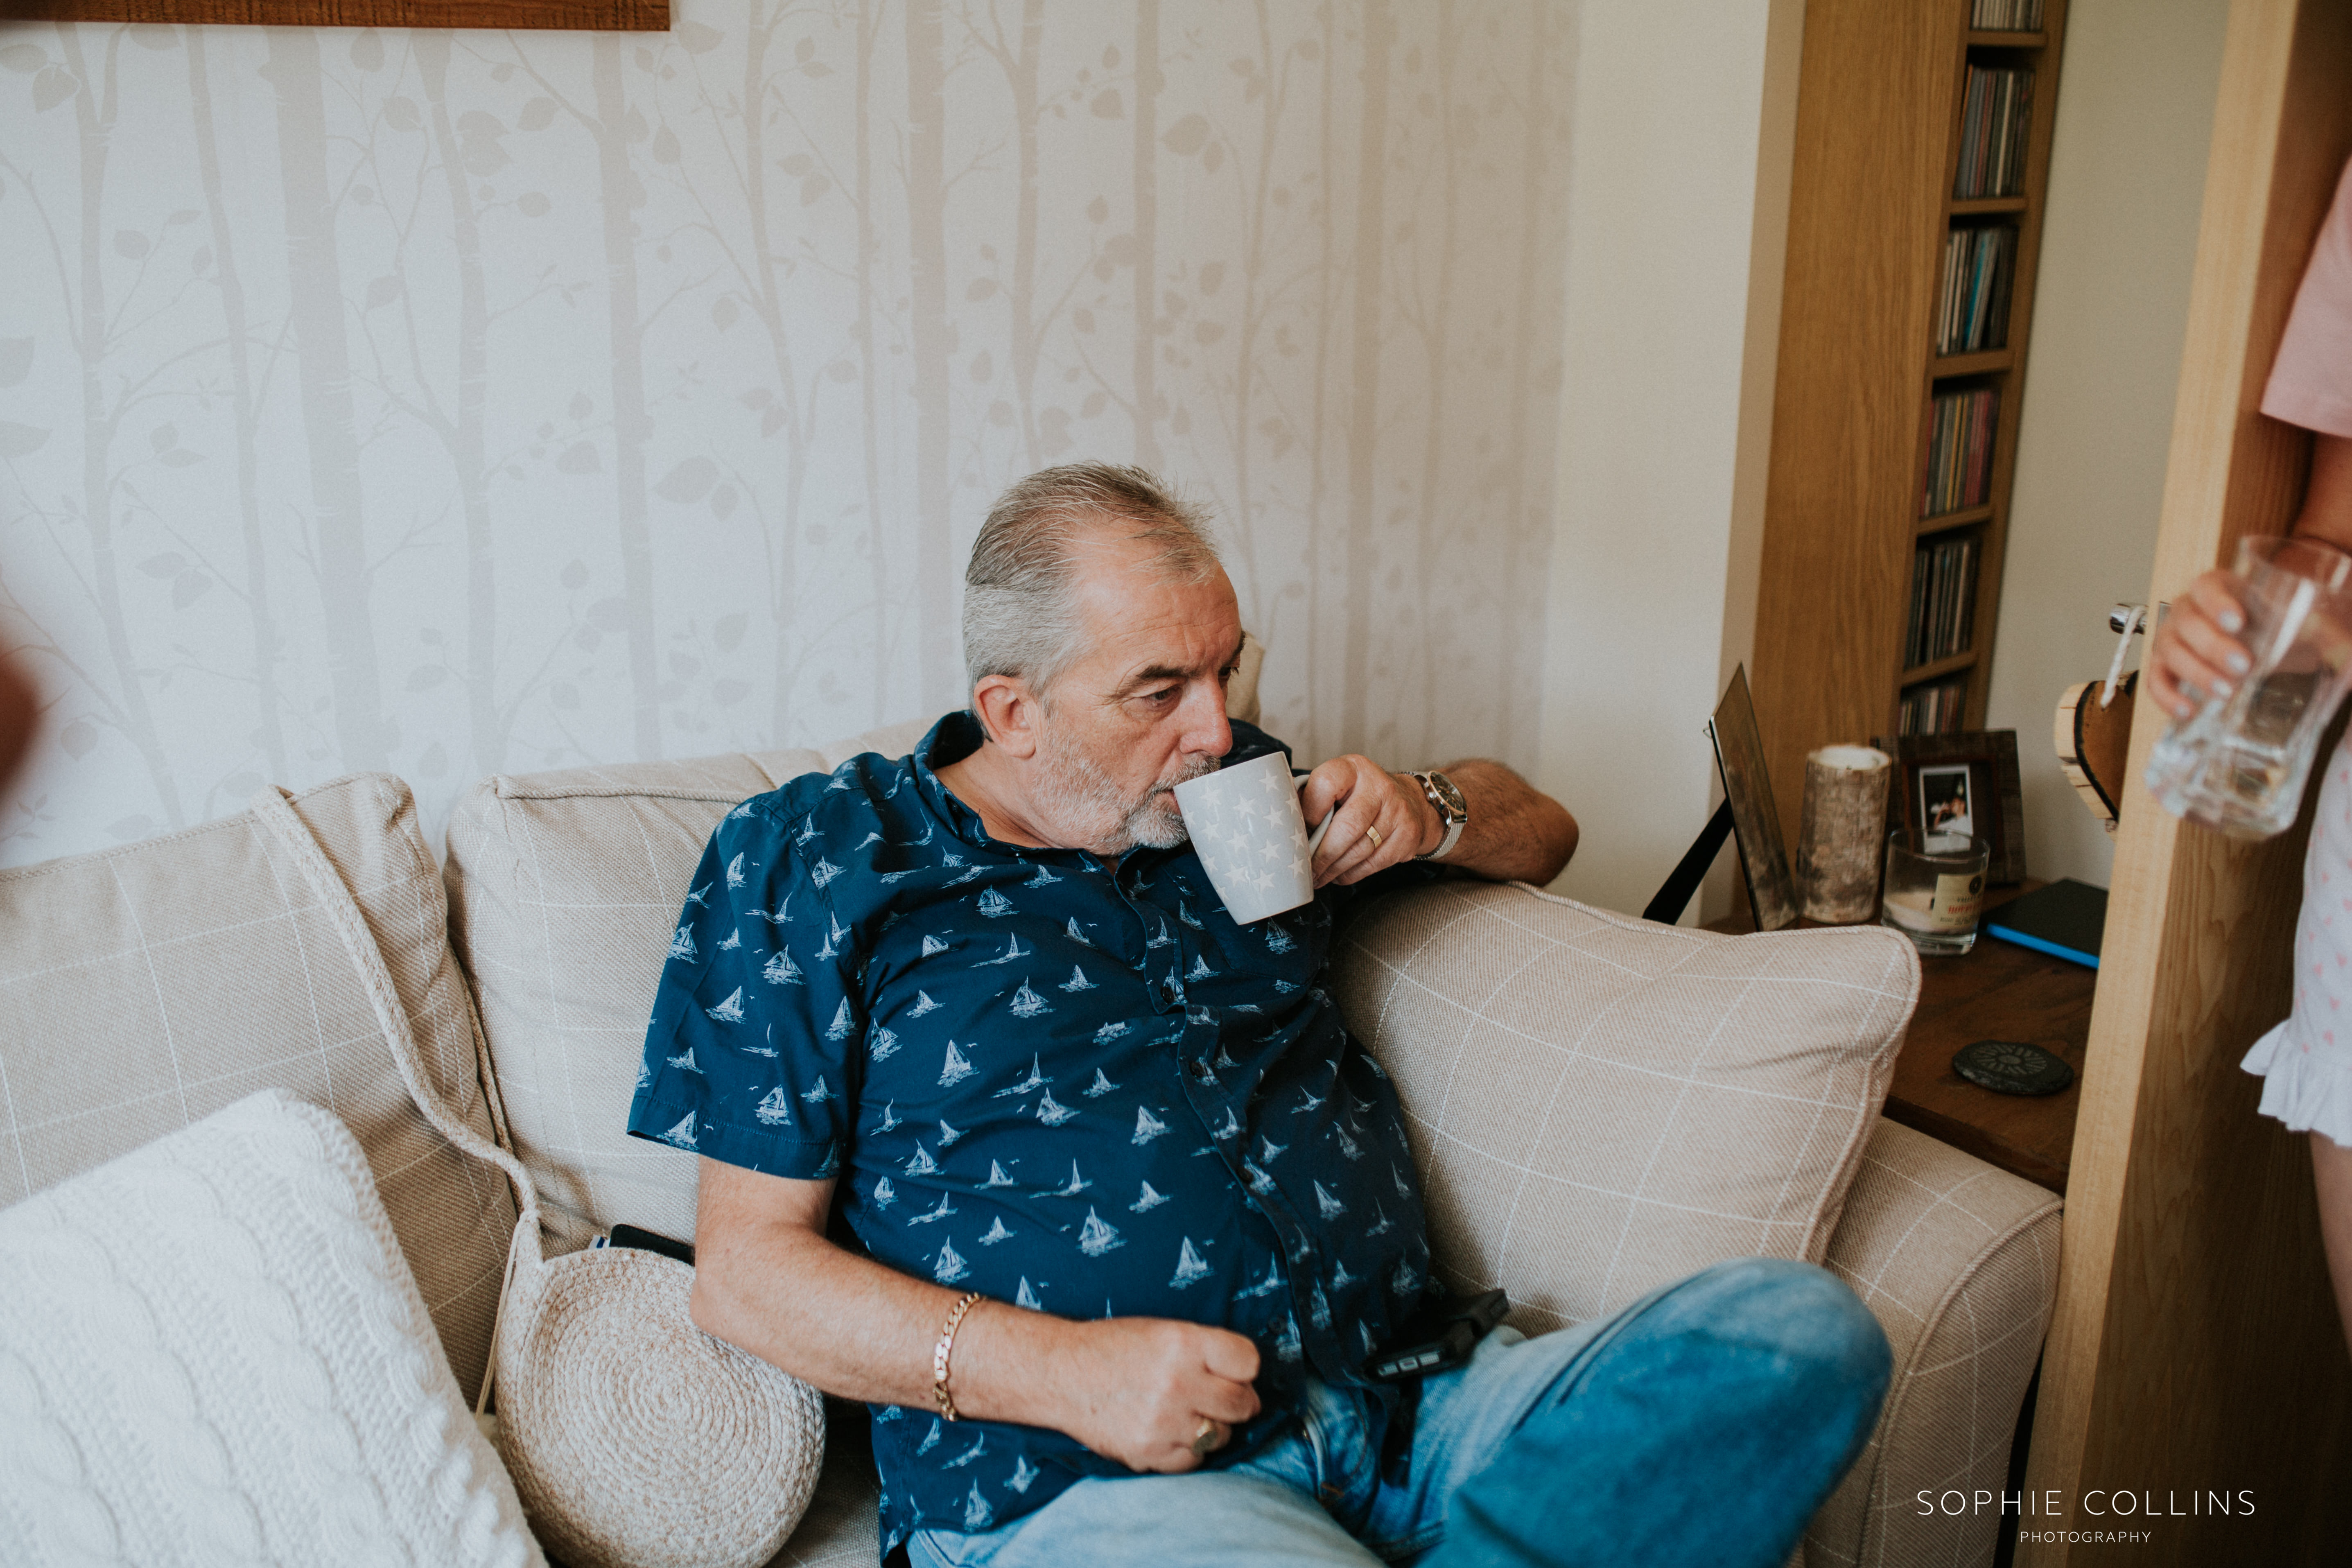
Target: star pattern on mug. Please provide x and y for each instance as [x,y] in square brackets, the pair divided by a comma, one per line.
[1249,841]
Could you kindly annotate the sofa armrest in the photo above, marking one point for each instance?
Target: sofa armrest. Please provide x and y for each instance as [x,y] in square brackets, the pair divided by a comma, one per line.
[1959,1261]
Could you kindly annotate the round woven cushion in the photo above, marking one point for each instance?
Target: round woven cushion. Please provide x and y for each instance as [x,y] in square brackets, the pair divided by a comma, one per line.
[636,1440]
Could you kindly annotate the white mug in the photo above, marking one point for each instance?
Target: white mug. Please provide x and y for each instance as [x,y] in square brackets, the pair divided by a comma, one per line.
[1246,824]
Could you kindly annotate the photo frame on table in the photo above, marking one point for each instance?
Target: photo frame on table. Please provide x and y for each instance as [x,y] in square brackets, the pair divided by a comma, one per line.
[1747,795]
[1949,787]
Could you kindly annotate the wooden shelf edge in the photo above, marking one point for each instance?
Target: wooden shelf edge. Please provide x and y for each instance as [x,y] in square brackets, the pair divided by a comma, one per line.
[1945,522]
[1920,674]
[1969,207]
[1984,38]
[1949,367]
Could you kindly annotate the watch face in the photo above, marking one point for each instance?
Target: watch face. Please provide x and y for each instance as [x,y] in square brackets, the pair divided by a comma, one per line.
[1450,799]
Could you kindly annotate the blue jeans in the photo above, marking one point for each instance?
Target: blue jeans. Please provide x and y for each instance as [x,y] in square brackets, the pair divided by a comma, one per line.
[1702,1424]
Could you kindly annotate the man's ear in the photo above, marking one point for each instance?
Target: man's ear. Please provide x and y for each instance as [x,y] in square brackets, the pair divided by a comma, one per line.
[1009,713]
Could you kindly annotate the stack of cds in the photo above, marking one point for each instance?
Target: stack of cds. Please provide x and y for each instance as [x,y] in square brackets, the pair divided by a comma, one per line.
[1995,121]
[1959,451]
[1942,600]
[2006,16]
[1972,313]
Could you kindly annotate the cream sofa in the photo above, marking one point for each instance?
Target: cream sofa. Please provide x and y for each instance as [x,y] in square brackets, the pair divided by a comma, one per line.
[1600,1104]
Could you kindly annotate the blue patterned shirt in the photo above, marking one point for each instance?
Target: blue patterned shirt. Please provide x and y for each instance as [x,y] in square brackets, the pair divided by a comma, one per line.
[1071,1084]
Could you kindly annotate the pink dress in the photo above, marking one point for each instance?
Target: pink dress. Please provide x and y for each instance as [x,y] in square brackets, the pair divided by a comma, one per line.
[2306,1063]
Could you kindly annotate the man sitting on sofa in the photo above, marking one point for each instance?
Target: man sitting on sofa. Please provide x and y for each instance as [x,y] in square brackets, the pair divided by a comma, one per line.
[1136,1211]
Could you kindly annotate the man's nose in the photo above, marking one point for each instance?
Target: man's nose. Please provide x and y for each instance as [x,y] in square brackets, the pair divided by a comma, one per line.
[1206,732]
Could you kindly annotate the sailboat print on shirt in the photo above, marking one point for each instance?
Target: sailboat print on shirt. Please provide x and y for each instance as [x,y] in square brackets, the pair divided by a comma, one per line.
[1036,1079]
[881,1045]
[920,1164]
[694,896]
[1101,1086]
[932,944]
[1259,1182]
[1386,1225]
[1341,1278]
[885,1194]
[1320,1316]
[682,1135]
[1043,878]
[818,1095]
[774,1110]
[977,1515]
[997,1233]
[1331,1207]
[840,1026]
[1348,1146]
[730,1011]
[1232,1129]
[1078,981]
[1265,1287]
[994,904]
[1076,935]
[779,970]
[1013,949]
[1071,1189]
[997,1176]
[1190,1266]
[1200,970]
[955,1069]
[734,940]
[1268,1150]
[950,1265]
[979,1447]
[735,872]
[685,1062]
[1027,1297]
[1286,1348]
[681,943]
[1051,1112]
[1184,912]
[947,1206]
[1110,1032]
[823,871]
[1027,1003]
[740,812]
[1024,1472]
[1147,1126]
[1146,1200]
[784,912]
[890,1117]
[923,1003]
[1278,940]
[1094,1238]
[834,931]
[930,1438]
[1163,939]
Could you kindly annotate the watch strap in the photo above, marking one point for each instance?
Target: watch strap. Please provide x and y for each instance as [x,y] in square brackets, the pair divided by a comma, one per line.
[1455,817]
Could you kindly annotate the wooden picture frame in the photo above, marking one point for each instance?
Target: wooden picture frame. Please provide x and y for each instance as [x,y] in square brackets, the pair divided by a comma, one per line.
[1756,822]
[1970,780]
[569,15]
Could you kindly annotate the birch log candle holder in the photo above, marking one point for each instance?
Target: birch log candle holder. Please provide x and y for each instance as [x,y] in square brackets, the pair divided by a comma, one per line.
[1842,834]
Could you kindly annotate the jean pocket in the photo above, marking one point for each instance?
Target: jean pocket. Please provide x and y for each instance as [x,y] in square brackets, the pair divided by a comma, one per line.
[948,1548]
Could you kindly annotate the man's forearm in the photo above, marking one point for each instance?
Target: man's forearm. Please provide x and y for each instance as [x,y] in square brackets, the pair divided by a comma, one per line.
[1516,832]
[858,1329]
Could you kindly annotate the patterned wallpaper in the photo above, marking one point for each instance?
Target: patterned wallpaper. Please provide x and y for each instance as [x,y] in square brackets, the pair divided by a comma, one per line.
[451,404]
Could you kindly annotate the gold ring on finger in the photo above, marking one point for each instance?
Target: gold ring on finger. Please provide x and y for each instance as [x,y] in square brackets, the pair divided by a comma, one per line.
[1374,834]
[1205,1439]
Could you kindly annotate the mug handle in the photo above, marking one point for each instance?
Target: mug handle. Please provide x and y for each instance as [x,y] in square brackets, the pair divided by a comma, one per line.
[1314,834]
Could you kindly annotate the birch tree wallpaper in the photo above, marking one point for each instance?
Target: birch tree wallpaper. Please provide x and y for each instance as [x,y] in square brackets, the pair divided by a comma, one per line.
[453,404]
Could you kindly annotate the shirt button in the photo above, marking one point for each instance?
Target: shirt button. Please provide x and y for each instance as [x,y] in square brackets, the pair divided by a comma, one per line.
[1167,992]
[1200,1072]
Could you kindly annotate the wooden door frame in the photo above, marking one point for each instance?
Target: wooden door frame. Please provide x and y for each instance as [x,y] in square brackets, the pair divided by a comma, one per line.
[2195,1348]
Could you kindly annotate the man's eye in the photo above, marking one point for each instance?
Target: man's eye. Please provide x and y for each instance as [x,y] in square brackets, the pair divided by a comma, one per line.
[1164,694]
[1225,675]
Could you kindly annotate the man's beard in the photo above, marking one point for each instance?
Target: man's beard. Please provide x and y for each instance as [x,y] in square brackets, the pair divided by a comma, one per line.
[1082,806]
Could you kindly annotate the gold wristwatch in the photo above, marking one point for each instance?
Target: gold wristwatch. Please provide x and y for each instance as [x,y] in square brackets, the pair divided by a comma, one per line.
[1451,810]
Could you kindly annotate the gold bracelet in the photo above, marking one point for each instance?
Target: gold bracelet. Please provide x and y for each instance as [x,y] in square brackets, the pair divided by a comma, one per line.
[940,1352]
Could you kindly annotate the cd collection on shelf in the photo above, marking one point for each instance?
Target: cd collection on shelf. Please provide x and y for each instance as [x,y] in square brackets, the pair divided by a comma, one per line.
[2006,16]
[1942,600]
[1995,120]
[1959,451]
[1973,313]
[1938,709]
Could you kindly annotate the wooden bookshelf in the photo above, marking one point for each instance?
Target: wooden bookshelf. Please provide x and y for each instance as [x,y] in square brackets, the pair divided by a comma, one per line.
[1879,108]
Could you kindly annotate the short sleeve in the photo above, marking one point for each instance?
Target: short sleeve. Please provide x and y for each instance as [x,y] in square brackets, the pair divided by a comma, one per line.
[746,1058]
[2311,379]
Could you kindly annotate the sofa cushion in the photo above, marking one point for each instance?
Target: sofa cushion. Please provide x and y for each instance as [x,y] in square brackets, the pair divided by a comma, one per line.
[212,1350]
[1600,1105]
[143,988]
[564,890]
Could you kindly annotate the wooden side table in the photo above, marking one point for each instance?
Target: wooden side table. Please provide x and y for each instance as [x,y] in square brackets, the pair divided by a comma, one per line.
[1997,991]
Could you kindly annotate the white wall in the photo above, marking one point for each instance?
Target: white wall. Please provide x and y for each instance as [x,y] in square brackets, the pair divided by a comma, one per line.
[1677,215]
[2126,182]
[450,403]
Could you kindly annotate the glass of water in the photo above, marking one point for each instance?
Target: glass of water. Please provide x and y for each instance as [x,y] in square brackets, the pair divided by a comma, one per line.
[1933,898]
[2238,764]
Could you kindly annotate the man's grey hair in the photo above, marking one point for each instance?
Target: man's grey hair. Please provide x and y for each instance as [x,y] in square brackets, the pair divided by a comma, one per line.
[1021,616]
